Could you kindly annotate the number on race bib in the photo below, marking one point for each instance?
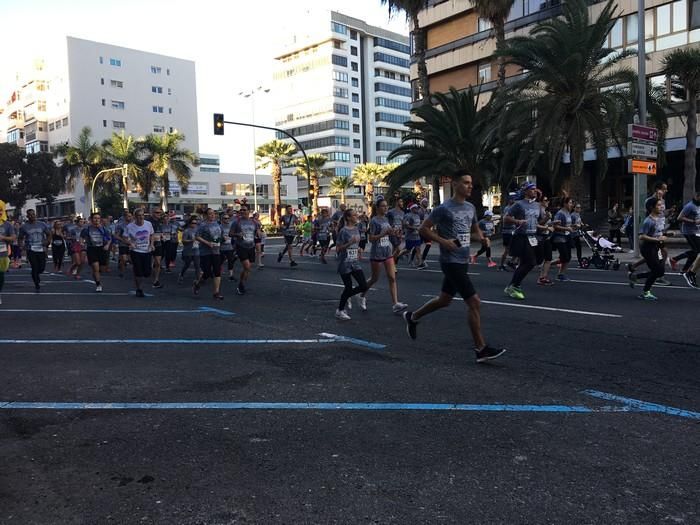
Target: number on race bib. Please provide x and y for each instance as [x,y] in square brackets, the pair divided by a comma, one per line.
[352,254]
[532,240]
[384,241]
[248,237]
[464,239]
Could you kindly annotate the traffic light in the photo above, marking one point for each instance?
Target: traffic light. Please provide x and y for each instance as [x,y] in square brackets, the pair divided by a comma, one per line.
[218,123]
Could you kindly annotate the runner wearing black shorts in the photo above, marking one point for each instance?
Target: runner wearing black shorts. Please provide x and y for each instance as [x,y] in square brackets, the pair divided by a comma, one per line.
[98,241]
[139,236]
[209,235]
[158,245]
[245,231]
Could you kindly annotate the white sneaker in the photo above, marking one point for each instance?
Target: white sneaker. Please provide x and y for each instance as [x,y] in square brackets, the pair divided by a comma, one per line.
[98,288]
[348,305]
[399,307]
[342,315]
[362,303]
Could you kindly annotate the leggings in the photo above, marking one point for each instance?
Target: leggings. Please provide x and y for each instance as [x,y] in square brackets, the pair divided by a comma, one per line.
[230,257]
[349,291]
[691,254]
[57,253]
[521,248]
[484,248]
[170,252]
[37,260]
[650,252]
[188,260]
[577,244]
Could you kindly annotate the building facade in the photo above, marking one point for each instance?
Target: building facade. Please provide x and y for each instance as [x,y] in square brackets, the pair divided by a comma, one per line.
[344,92]
[460,45]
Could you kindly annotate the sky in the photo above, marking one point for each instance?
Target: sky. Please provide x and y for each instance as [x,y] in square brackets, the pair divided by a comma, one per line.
[232,42]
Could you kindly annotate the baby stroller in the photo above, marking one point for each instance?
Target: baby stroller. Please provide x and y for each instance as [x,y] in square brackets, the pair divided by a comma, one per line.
[603,250]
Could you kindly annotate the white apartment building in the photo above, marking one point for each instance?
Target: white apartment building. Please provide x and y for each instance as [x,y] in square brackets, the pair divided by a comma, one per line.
[108,88]
[343,91]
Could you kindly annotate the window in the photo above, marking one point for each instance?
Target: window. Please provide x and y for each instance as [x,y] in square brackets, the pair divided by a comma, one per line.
[386,146]
[343,171]
[51,126]
[102,81]
[355,113]
[484,25]
[390,59]
[339,28]
[353,51]
[354,66]
[355,97]
[695,14]
[663,19]
[337,44]
[390,44]
[356,158]
[65,121]
[171,129]
[343,109]
[167,72]
[337,156]
[392,103]
[117,104]
[632,25]
[315,128]
[104,123]
[355,82]
[403,78]
[338,140]
[59,124]
[116,83]
[388,88]
[390,117]
[157,109]
[102,61]
[616,34]
[283,190]
[158,129]
[157,89]
[170,91]
[104,102]
[339,61]
[340,92]
[170,111]
[156,70]
[339,76]
[356,143]
[484,72]
[118,124]
[115,62]
[680,11]
[353,34]
[355,128]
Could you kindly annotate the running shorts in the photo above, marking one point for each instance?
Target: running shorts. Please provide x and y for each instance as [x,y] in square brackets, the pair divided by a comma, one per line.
[159,250]
[413,244]
[507,237]
[289,239]
[245,254]
[97,254]
[210,265]
[123,250]
[141,263]
[456,281]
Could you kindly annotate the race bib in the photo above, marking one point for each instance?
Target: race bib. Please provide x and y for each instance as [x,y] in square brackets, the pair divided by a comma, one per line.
[57,243]
[3,248]
[37,247]
[248,237]
[195,245]
[384,241]
[532,240]
[352,254]
[464,239]
[660,254]
[166,236]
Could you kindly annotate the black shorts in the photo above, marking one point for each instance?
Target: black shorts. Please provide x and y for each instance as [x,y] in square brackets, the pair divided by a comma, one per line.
[97,254]
[210,265]
[228,255]
[289,239]
[507,237]
[456,281]
[141,263]
[123,250]
[324,243]
[159,250]
[245,254]
[362,244]
[543,250]
[564,249]
[520,247]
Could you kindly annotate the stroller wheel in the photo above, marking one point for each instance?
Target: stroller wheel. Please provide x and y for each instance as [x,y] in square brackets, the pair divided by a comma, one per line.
[585,262]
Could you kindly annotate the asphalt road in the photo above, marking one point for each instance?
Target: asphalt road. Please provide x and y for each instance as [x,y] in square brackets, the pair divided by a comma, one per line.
[115,409]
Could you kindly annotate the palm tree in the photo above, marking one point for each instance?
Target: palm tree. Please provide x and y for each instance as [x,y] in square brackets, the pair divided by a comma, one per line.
[81,161]
[565,102]
[496,12]
[274,154]
[163,154]
[340,185]
[370,175]
[119,150]
[316,163]
[682,66]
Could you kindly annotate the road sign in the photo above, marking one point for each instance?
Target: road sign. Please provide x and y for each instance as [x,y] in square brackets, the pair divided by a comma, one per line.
[642,149]
[645,167]
[646,133]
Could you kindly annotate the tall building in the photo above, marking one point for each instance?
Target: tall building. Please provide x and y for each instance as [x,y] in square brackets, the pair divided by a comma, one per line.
[343,91]
[107,88]
[460,45]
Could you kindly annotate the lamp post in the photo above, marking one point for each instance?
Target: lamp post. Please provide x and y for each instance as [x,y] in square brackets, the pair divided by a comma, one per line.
[640,180]
[251,95]
[123,169]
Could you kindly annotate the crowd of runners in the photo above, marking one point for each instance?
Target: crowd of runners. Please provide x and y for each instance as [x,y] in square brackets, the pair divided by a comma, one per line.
[535,233]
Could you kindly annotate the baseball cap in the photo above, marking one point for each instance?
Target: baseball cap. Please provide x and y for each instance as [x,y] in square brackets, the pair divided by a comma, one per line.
[529,186]
[488,213]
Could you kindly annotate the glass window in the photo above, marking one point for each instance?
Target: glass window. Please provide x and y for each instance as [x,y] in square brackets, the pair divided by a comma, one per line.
[355,113]
[354,66]
[353,51]
[355,82]
[695,14]
[115,62]
[356,158]
[680,16]
[355,128]
[485,72]
[663,20]
[649,24]
[356,143]
[616,34]
[117,104]
[355,97]
[118,124]
[632,26]
[483,24]
[353,34]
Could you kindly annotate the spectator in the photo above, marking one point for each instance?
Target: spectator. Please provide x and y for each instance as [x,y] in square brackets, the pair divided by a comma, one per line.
[615,220]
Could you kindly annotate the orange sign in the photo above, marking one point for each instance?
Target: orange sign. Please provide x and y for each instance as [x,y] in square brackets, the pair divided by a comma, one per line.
[641,166]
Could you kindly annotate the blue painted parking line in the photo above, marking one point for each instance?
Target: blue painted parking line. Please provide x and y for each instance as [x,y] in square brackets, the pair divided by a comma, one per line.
[636,405]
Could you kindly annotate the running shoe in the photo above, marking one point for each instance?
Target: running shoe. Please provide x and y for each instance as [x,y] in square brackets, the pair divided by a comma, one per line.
[293,264]
[503,268]
[514,292]
[362,303]
[674,265]
[491,264]
[632,278]
[544,281]
[342,315]
[648,296]
[630,268]
[279,257]
[218,296]
[399,307]
[488,353]
[195,288]
[37,288]
[422,266]
[348,305]
[511,265]
[239,290]
[563,277]
[662,281]
[411,325]
[157,284]
[472,259]
[691,279]
[139,293]
[98,288]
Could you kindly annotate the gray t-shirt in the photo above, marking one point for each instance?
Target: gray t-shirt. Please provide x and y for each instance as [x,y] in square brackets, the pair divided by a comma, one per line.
[158,227]
[226,239]
[190,249]
[411,223]
[395,217]
[507,228]
[563,217]
[71,231]
[690,211]
[576,221]
[323,226]
[531,211]
[487,227]
[653,226]
[95,237]
[381,249]
[347,258]
[212,232]
[246,228]
[35,235]
[454,220]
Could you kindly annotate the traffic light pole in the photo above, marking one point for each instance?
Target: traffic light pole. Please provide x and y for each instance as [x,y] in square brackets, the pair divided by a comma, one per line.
[640,180]
[303,152]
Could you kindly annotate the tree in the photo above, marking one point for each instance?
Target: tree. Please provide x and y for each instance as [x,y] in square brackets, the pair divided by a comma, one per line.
[81,161]
[41,178]
[316,163]
[682,66]
[565,102]
[121,149]
[163,154]
[340,185]
[496,12]
[273,154]
[370,175]
[11,168]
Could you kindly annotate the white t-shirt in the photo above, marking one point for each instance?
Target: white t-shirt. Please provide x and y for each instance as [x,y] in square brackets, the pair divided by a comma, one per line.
[140,236]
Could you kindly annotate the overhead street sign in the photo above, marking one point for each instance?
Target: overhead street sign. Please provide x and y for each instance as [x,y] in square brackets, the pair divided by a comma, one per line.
[646,133]
[642,149]
[645,167]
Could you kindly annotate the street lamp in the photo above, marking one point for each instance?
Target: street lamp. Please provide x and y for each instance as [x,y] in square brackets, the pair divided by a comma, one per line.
[123,168]
[250,94]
